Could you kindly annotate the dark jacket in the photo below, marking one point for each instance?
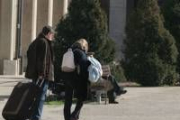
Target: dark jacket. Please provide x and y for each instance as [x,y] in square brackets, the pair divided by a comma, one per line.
[40,59]
[80,81]
[81,61]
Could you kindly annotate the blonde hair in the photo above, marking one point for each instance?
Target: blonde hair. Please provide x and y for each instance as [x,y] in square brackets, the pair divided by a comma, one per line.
[82,44]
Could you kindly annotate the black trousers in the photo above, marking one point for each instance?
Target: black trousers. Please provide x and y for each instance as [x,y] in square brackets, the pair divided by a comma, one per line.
[69,92]
[112,94]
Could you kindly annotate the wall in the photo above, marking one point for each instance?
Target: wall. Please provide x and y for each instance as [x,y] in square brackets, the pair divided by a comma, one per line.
[57,11]
[8,29]
[42,20]
[117,23]
[8,21]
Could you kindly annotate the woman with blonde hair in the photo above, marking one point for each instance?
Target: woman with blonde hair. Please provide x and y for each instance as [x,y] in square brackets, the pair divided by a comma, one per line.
[77,81]
[82,44]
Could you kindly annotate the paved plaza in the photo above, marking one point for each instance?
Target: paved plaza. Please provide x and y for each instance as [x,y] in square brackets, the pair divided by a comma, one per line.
[139,103]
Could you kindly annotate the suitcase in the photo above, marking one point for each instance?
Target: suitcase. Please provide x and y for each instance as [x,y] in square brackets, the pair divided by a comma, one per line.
[21,103]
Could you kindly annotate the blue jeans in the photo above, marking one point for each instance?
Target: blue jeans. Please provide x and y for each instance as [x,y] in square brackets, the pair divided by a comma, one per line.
[40,102]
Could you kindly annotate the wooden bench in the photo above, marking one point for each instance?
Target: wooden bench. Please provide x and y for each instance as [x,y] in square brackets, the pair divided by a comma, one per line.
[103,84]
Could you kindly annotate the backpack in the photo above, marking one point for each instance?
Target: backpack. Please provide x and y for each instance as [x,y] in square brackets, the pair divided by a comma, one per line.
[68,64]
[95,70]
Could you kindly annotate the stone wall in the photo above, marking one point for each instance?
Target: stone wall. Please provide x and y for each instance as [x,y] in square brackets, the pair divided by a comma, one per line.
[8,20]
[117,23]
[42,20]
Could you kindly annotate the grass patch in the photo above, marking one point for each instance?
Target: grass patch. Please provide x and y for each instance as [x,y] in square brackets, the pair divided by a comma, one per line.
[53,100]
[54,103]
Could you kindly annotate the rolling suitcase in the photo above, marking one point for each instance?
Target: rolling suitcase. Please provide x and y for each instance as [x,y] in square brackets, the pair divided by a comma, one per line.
[22,100]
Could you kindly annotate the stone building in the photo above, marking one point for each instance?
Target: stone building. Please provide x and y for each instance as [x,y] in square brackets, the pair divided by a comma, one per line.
[22,20]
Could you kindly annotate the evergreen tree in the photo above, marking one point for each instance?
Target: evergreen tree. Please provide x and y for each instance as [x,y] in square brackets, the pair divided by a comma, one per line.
[117,71]
[171,13]
[85,19]
[150,51]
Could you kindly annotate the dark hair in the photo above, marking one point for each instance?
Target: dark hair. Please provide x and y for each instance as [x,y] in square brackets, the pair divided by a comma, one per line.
[47,29]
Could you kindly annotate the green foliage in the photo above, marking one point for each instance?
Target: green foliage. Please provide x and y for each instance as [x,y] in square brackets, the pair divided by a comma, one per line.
[171,13]
[150,51]
[118,72]
[85,19]
[53,100]
[54,103]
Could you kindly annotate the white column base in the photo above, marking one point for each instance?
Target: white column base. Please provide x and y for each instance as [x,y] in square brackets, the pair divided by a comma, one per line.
[11,67]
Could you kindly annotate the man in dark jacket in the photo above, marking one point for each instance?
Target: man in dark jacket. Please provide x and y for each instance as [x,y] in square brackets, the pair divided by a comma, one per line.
[115,91]
[40,65]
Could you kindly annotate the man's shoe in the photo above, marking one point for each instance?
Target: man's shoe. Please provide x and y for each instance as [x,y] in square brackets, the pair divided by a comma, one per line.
[121,92]
[124,91]
[113,102]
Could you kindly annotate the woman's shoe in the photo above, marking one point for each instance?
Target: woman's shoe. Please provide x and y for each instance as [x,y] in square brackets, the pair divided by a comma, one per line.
[121,92]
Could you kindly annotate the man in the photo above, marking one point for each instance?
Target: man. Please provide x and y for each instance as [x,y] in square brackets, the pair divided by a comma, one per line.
[40,65]
[115,91]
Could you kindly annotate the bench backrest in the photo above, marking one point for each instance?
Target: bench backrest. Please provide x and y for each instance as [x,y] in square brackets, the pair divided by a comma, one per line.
[104,83]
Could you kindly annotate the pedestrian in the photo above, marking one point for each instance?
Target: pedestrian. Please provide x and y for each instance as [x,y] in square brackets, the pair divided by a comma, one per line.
[41,67]
[76,82]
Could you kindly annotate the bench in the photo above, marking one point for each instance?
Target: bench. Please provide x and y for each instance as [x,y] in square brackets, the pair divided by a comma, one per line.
[103,84]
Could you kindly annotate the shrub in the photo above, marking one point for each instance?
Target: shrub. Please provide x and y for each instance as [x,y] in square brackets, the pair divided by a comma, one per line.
[150,50]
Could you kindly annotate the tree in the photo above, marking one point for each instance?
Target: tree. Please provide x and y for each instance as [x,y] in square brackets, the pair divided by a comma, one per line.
[150,51]
[85,19]
[117,71]
[171,13]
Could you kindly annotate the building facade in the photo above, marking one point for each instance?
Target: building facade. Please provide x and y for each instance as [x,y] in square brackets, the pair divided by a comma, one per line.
[22,20]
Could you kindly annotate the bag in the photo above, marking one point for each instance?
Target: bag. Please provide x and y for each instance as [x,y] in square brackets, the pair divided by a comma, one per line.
[22,101]
[68,64]
[95,70]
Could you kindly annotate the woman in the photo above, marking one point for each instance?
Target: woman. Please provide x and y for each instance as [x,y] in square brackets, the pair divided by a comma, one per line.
[77,81]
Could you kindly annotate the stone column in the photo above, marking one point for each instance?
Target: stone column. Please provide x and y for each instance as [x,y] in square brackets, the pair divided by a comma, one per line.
[1,62]
[0,17]
[117,22]
[57,11]
[8,28]
[8,20]
[34,19]
[65,7]
[50,12]
[42,14]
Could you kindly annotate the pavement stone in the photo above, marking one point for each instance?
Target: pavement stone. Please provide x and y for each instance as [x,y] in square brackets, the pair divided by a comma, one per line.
[139,103]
